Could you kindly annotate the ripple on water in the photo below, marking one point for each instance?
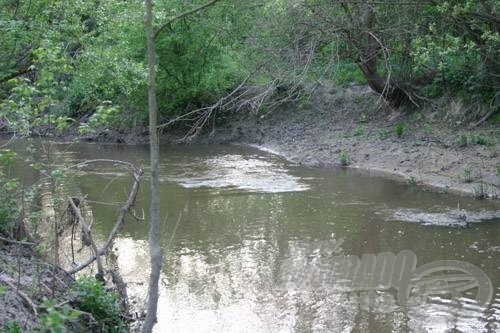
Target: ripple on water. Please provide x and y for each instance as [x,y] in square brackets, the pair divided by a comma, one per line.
[449,217]
[247,173]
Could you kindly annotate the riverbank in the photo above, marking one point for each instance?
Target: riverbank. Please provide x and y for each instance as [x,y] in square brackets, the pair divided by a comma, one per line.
[351,127]
[27,283]
[432,146]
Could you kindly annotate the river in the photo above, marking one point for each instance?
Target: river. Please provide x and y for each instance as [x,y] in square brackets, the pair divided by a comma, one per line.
[249,241]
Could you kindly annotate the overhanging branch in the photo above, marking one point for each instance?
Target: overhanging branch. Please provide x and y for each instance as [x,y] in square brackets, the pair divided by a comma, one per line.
[182,15]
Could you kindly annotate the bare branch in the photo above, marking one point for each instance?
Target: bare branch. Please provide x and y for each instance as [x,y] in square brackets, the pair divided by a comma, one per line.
[119,221]
[88,235]
[182,15]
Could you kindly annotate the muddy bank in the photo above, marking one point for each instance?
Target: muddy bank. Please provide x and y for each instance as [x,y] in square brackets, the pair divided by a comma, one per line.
[351,126]
[337,126]
[27,283]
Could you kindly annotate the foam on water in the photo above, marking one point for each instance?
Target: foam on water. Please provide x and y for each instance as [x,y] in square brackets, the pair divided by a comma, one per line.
[247,173]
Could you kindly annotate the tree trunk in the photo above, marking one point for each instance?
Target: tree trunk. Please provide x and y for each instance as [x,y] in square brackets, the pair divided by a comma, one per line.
[154,233]
[370,49]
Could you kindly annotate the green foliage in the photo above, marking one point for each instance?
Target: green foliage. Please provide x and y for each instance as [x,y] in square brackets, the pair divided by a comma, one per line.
[462,141]
[56,319]
[346,73]
[12,327]
[82,63]
[91,296]
[359,131]
[481,140]
[413,181]
[384,134]
[399,130]
[481,191]
[344,159]
[9,193]
[200,58]
[495,119]
[468,175]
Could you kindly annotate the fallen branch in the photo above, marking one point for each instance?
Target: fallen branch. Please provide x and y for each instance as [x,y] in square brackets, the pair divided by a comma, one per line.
[494,106]
[13,241]
[25,297]
[127,206]
[88,235]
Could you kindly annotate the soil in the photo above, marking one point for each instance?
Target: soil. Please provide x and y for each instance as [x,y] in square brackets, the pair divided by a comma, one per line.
[25,279]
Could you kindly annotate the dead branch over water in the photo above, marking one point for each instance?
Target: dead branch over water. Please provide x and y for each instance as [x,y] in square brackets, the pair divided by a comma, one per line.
[125,209]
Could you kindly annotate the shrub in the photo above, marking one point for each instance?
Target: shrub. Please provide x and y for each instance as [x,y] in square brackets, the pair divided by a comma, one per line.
[9,194]
[463,141]
[344,159]
[384,134]
[468,175]
[359,131]
[56,318]
[12,327]
[91,296]
[400,130]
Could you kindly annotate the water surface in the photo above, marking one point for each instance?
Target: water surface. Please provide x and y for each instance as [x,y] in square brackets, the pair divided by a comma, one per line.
[247,234]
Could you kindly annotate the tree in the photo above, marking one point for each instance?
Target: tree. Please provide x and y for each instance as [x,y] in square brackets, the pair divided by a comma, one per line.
[154,233]
[403,50]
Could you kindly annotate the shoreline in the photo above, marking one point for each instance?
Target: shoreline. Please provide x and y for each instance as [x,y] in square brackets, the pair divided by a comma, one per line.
[430,147]
[349,128]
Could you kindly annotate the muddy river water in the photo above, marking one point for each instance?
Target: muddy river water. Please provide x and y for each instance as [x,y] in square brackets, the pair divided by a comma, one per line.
[253,243]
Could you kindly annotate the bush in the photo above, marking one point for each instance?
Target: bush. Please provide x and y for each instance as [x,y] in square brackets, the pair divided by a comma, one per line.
[400,130]
[481,140]
[56,318]
[9,194]
[344,159]
[91,296]
[463,141]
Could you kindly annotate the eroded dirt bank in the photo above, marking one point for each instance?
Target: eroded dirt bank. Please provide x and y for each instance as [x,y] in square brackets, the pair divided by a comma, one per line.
[430,147]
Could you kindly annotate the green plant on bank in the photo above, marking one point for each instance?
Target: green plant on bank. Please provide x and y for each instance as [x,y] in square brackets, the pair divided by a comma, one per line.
[344,159]
[362,117]
[498,169]
[462,141]
[359,131]
[399,130]
[10,209]
[481,191]
[481,140]
[346,73]
[384,134]
[91,296]
[12,327]
[413,180]
[468,175]
[56,319]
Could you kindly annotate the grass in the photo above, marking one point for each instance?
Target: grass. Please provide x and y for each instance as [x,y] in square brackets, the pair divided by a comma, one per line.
[344,159]
[384,134]
[468,175]
[400,130]
[462,141]
[483,140]
[481,191]
[359,131]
